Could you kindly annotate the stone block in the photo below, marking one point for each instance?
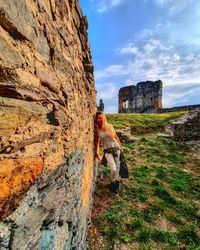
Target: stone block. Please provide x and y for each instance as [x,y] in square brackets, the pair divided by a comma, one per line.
[186,127]
[16,177]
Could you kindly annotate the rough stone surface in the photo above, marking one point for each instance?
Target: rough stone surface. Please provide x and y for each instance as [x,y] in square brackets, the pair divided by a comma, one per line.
[125,136]
[16,177]
[186,127]
[47,106]
[145,97]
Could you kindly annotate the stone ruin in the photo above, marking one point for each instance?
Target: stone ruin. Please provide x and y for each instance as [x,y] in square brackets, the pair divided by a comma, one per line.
[186,127]
[145,97]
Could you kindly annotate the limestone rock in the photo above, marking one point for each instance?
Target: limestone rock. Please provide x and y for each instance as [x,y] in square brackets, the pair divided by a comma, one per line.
[16,177]
[125,137]
[47,107]
[186,127]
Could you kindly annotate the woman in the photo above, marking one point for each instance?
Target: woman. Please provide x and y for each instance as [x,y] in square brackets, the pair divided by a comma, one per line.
[106,135]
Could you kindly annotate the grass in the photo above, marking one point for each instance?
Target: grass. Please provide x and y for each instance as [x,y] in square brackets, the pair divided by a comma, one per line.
[142,123]
[158,205]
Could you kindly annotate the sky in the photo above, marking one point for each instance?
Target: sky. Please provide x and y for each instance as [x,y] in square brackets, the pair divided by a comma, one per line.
[139,40]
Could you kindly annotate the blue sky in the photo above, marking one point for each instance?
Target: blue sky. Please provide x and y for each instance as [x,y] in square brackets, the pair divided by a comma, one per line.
[140,40]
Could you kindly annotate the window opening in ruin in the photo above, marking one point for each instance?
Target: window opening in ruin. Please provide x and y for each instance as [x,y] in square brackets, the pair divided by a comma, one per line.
[126,104]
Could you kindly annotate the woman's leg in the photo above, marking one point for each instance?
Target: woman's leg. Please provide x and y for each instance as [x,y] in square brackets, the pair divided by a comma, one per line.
[112,166]
[117,164]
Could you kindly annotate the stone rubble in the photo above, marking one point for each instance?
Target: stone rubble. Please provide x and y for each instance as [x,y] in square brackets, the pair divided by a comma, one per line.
[186,127]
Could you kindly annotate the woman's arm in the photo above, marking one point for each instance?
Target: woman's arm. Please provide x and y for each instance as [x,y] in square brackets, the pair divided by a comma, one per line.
[118,140]
[114,135]
[96,144]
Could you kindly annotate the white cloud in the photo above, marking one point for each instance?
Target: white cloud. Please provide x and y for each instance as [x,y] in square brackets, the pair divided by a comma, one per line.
[156,60]
[128,50]
[162,2]
[102,9]
[170,68]
[169,51]
[109,71]
[179,96]
[155,45]
[106,91]
[145,33]
[171,99]
[175,7]
[129,82]
[105,5]
[149,47]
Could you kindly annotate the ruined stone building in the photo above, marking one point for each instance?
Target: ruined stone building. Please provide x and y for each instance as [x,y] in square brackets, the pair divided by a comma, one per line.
[145,97]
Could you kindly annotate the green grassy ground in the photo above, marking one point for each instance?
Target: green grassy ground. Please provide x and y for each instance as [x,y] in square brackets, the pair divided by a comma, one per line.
[158,207]
[142,123]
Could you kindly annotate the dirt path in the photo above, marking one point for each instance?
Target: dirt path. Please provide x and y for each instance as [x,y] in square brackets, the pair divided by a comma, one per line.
[102,200]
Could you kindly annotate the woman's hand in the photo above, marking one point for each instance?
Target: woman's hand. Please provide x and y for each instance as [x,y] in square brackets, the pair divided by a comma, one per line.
[98,157]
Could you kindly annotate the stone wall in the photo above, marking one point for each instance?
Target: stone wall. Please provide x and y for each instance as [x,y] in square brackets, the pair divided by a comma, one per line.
[180,108]
[47,105]
[145,97]
[186,127]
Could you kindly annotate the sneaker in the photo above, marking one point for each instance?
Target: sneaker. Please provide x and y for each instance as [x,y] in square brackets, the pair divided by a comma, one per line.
[114,186]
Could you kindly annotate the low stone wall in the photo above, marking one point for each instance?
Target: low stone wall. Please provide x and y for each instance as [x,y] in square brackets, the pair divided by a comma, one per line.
[185,128]
[181,108]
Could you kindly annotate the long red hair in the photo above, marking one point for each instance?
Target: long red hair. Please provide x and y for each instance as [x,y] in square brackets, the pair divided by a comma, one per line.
[103,118]
[105,126]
